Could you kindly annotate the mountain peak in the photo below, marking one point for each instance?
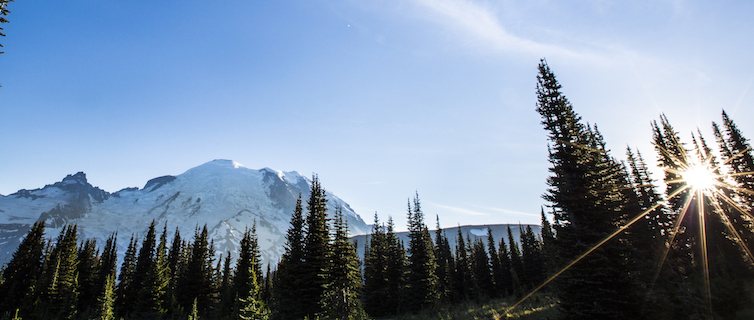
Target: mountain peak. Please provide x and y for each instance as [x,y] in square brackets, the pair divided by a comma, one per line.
[79,178]
[225,163]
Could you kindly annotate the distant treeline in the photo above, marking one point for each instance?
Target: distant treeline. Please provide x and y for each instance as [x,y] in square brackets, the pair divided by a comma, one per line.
[617,248]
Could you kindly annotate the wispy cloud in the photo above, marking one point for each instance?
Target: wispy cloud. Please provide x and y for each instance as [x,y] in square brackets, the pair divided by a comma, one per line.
[506,211]
[459,210]
[480,22]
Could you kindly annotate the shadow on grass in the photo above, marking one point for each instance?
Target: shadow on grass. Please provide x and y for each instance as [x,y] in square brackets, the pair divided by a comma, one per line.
[537,308]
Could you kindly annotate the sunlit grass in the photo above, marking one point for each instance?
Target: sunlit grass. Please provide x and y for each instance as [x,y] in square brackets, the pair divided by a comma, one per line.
[537,307]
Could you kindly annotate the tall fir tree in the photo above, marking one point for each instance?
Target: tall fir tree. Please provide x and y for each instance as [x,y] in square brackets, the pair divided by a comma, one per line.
[508,285]
[549,254]
[396,271]
[226,290]
[586,195]
[421,281]
[445,264]
[496,268]
[481,273]
[289,274]
[20,276]
[341,297]
[108,260]
[738,158]
[531,256]
[462,276]
[316,251]
[126,289]
[61,287]
[517,264]
[88,276]
[196,282]
[245,279]
[176,268]
[376,284]
[105,306]
[151,297]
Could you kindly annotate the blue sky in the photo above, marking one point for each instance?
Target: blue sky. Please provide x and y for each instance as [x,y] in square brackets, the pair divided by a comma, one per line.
[380,98]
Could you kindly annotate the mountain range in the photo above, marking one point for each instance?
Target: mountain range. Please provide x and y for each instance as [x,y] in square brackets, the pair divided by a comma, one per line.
[470,232]
[221,194]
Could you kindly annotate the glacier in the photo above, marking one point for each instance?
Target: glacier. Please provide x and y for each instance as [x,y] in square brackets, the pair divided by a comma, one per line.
[221,194]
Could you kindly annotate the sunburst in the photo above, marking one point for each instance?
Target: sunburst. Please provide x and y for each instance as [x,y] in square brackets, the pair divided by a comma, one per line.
[700,183]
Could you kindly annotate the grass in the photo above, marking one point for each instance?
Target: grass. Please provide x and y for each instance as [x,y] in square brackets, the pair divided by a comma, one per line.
[535,308]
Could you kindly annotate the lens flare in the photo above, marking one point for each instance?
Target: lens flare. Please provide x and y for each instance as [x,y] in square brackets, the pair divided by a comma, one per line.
[699,183]
[699,177]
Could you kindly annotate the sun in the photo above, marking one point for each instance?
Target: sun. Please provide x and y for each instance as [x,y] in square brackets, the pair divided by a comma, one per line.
[699,177]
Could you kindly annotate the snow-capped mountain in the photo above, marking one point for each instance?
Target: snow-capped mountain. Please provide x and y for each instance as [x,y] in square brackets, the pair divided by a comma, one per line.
[222,194]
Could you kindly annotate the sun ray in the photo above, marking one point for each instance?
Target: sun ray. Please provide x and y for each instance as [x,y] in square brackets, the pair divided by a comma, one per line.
[702,182]
[673,233]
[582,256]
[728,225]
[703,242]
[732,202]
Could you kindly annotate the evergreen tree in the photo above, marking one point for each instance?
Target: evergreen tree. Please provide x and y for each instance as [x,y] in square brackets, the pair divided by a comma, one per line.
[586,195]
[704,263]
[145,259]
[61,291]
[104,309]
[341,297]
[126,290]
[421,284]
[175,266]
[196,282]
[88,275]
[648,235]
[194,315]
[151,301]
[462,275]
[4,13]
[396,270]
[517,264]
[251,307]
[445,264]
[480,263]
[549,255]
[678,275]
[376,284]
[289,274]
[245,279]
[531,256]
[496,268]
[21,274]
[316,251]
[508,283]
[737,156]
[226,290]
[108,261]
[267,288]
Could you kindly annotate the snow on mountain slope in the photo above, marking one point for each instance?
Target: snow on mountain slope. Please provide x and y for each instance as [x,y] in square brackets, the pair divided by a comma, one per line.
[222,194]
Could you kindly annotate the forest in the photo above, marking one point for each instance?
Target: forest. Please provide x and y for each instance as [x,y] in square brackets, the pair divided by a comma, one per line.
[615,244]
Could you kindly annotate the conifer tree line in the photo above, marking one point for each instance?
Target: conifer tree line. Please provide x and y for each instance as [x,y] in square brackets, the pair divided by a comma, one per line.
[429,274]
[615,246]
[319,275]
[683,253]
[72,279]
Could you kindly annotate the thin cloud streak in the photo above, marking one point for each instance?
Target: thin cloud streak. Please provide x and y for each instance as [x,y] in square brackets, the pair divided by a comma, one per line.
[459,210]
[482,23]
[511,212]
